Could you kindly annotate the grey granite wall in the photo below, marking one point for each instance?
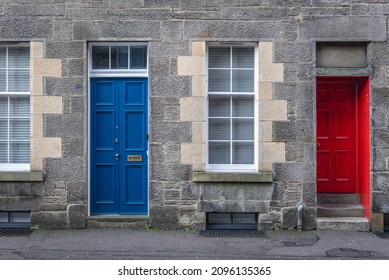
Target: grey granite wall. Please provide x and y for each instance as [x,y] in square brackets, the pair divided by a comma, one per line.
[66,26]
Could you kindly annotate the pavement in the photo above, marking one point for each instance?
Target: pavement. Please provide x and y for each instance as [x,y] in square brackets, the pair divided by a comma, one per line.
[131,244]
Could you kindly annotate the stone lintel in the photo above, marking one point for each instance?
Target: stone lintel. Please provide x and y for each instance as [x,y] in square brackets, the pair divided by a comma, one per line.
[233,206]
[337,28]
[344,71]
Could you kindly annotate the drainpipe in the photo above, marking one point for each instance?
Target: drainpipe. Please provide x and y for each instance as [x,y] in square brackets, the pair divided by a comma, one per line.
[300,207]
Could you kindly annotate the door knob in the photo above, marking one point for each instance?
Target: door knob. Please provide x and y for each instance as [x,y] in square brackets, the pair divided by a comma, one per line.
[317,145]
[117,156]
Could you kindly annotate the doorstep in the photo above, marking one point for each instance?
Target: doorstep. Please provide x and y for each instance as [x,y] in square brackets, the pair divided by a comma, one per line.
[343,223]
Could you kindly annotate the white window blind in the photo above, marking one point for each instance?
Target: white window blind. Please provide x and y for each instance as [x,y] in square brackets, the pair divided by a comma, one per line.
[14,107]
[231,103]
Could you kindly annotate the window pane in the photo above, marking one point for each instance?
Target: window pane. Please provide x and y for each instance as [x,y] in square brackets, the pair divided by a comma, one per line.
[19,129]
[19,152]
[243,106]
[4,217]
[20,107]
[3,107]
[219,80]
[100,57]
[219,129]
[2,57]
[15,110]
[119,57]
[138,57]
[219,57]
[242,57]
[19,80]
[243,129]
[219,153]
[19,57]
[243,153]
[231,122]
[3,78]
[3,130]
[19,217]
[219,106]
[3,152]
[219,218]
[243,80]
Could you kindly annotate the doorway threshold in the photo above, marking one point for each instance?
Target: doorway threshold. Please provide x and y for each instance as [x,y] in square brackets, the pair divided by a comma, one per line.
[117,221]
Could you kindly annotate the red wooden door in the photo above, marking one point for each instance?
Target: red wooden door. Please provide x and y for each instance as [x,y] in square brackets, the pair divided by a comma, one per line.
[335,136]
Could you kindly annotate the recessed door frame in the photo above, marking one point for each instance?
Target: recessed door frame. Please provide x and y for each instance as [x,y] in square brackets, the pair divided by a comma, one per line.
[362,134]
[123,73]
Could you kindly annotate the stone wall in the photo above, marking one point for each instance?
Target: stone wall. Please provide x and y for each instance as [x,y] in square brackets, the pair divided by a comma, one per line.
[177,32]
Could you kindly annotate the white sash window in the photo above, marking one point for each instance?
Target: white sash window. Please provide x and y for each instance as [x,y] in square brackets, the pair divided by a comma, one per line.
[231,103]
[14,108]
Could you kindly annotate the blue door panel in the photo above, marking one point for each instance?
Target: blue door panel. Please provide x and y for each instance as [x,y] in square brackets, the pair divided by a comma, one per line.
[134,195]
[104,93]
[134,192]
[118,152]
[105,182]
[135,94]
[104,130]
[133,140]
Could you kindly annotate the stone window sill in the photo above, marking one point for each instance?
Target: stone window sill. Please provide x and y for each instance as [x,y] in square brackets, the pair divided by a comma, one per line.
[260,177]
[23,176]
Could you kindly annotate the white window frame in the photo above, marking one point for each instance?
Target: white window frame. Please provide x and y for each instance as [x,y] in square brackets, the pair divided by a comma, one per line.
[93,73]
[241,168]
[15,167]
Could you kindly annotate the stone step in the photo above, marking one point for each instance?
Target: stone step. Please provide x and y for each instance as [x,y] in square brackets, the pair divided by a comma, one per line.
[337,198]
[344,223]
[340,210]
[117,221]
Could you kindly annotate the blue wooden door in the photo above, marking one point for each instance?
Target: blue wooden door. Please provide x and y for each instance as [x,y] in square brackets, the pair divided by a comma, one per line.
[118,146]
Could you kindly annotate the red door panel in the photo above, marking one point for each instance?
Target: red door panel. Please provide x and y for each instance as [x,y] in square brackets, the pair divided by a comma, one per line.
[336,136]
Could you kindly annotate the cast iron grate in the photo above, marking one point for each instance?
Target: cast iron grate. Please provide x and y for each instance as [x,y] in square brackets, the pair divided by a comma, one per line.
[233,233]
[12,232]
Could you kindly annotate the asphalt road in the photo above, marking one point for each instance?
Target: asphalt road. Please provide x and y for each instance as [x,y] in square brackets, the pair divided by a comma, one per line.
[129,244]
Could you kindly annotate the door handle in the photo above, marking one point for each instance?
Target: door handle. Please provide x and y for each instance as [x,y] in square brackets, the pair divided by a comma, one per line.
[317,146]
[117,156]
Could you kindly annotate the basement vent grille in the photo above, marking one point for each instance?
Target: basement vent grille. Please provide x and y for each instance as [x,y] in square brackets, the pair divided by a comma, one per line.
[232,221]
[235,233]
[14,220]
[7,232]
